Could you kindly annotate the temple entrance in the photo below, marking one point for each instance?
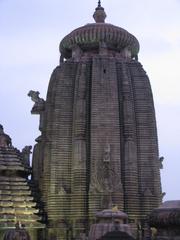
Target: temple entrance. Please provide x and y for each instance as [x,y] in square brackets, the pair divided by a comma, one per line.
[116,235]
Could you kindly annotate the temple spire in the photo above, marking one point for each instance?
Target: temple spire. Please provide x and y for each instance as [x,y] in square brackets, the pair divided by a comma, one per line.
[99,3]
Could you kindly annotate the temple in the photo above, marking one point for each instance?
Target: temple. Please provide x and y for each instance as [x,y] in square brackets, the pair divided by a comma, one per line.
[98,146]
[95,166]
[17,204]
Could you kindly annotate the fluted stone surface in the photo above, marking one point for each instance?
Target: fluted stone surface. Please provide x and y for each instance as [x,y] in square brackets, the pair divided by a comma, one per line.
[99,140]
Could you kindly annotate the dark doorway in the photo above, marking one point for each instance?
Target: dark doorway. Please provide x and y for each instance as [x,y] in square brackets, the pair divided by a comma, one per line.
[117,235]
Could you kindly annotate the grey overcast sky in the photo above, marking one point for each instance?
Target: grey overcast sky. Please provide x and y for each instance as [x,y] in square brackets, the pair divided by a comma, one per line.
[30,33]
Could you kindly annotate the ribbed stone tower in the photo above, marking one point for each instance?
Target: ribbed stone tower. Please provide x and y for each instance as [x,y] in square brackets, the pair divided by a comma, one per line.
[98,146]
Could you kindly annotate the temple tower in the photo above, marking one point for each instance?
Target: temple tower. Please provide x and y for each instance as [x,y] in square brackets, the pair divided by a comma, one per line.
[17,203]
[98,146]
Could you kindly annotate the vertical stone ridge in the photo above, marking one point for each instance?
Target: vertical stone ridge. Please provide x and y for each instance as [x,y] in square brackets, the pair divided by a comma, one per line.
[88,142]
[147,143]
[128,141]
[105,186]
[47,138]
[79,150]
[57,135]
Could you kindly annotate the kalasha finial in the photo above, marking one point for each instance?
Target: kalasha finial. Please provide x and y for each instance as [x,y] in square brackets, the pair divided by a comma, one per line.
[99,15]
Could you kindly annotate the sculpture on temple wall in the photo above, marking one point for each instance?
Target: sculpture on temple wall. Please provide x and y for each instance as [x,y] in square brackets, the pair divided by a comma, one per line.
[5,140]
[163,195]
[103,50]
[39,102]
[161,159]
[39,106]
[100,182]
[107,153]
[35,97]
[77,53]
[26,151]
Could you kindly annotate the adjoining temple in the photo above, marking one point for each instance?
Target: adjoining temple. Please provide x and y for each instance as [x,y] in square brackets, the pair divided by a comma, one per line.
[111,224]
[17,205]
[165,221]
[98,146]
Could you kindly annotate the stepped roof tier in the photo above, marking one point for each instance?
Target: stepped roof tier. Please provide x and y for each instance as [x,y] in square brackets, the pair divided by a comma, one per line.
[16,201]
[91,36]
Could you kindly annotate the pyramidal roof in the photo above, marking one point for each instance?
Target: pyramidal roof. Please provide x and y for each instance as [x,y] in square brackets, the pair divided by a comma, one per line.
[16,201]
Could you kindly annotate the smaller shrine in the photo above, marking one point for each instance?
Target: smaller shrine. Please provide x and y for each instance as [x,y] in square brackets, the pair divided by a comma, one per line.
[165,221]
[111,224]
[17,205]
[18,233]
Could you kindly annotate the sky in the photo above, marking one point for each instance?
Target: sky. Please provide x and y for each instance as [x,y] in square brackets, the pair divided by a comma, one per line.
[30,33]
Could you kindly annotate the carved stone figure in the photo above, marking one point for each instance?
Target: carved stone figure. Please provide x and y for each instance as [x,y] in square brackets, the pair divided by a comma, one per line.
[39,102]
[161,159]
[35,97]
[163,195]
[107,153]
[38,107]
[5,140]
[26,151]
